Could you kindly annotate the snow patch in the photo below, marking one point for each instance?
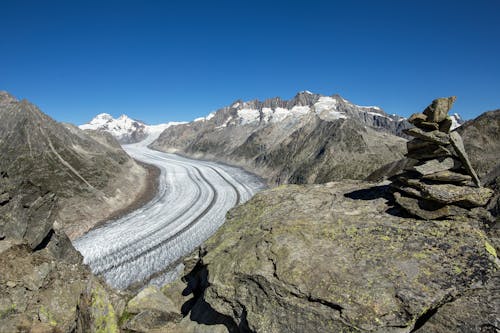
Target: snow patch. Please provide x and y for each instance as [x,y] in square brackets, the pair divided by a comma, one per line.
[249,116]
[300,109]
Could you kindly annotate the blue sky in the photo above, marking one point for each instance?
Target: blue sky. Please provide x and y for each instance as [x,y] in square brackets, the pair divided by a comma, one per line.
[177,60]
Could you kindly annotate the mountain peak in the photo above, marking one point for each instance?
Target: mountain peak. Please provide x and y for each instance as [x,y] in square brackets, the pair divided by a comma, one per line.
[5,97]
[124,128]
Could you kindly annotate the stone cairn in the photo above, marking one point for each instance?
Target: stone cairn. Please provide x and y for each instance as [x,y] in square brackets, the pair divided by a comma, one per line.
[439,181]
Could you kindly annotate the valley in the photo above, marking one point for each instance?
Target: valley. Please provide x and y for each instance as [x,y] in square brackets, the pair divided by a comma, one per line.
[192,200]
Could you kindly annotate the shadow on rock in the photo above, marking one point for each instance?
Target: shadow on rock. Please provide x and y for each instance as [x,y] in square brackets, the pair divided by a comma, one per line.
[198,309]
[372,193]
[377,192]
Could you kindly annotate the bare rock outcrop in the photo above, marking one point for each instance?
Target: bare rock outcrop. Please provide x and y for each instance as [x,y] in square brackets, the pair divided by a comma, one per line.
[339,257]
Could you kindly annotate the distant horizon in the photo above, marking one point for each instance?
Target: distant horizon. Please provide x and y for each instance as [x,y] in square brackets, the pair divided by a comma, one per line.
[162,61]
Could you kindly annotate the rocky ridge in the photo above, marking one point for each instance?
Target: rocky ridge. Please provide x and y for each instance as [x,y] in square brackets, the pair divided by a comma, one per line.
[284,141]
[89,173]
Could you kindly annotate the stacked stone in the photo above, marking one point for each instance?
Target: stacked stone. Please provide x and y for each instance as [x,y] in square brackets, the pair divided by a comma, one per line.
[440,181]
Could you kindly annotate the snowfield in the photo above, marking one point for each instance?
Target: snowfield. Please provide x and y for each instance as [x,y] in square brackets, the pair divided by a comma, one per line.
[190,206]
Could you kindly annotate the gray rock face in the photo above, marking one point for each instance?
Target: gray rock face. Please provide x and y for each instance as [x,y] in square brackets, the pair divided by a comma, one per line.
[481,138]
[309,139]
[337,257]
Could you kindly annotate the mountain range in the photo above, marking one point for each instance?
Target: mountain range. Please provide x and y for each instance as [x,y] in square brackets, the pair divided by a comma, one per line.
[310,138]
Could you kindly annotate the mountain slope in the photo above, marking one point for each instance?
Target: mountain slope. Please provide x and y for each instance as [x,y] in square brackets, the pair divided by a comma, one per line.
[310,138]
[92,178]
[124,129]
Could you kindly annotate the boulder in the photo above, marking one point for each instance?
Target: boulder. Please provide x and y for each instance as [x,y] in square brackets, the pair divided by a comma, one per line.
[151,309]
[438,110]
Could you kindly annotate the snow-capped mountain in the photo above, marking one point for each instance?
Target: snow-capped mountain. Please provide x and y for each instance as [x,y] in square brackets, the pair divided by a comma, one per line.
[306,104]
[309,138]
[124,128]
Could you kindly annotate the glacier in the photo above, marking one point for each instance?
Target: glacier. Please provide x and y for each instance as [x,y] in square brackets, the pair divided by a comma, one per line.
[192,201]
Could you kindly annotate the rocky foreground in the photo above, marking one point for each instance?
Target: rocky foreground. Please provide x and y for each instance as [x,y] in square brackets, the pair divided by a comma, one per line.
[338,257]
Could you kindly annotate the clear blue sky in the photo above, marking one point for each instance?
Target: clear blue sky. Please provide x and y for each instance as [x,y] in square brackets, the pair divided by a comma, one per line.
[177,60]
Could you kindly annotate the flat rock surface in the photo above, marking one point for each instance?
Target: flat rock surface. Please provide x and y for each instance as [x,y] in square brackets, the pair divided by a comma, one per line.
[436,136]
[449,193]
[338,257]
[436,165]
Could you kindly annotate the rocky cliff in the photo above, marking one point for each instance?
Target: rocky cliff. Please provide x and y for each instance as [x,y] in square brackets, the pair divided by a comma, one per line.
[308,139]
[88,171]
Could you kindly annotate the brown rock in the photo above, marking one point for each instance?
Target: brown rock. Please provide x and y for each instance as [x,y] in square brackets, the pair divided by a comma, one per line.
[434,136]
[401,187]
[429,153]
[428,210]
[417,118]
[445,125]
[426,125]
[448,193]
[438,110]
[458,145]
[416,144]
[437,165]
[448,176]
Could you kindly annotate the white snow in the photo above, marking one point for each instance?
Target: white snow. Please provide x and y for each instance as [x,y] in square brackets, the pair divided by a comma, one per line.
[280,114]
[268,114]
[123,125]
[235,105]
[328,105]
[249,116]
[210,116]
[378,115]
[300,110]
[455,118]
